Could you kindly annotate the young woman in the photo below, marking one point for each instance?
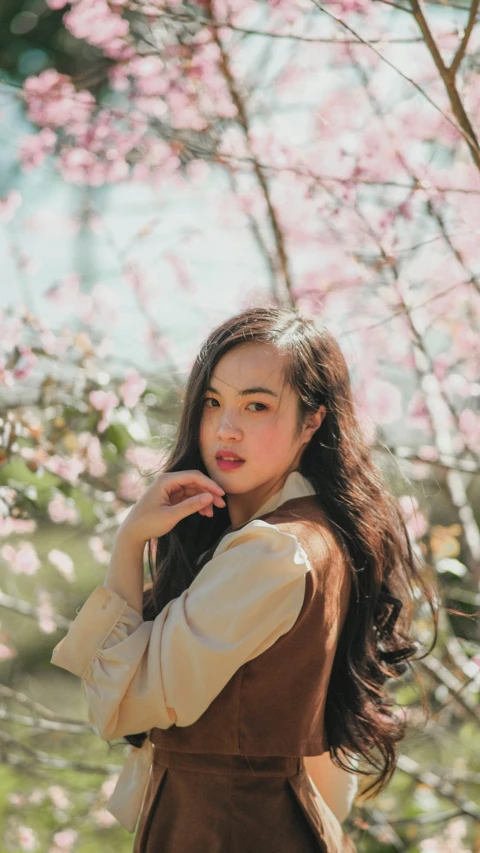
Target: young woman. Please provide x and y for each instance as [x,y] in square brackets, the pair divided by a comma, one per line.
[249,675]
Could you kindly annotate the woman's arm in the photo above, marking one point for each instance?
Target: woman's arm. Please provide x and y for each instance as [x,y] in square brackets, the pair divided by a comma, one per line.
[143,674]
[125,571]
[338,787]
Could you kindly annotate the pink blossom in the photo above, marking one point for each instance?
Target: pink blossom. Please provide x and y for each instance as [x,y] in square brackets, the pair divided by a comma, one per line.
[94,21]
[64,841]
[105,402]
[427,452]
[78,164]
[54,343]
[456,383]
[344,7]
[66,290]
[64,563]
[198,171]
[25,364]
[68,468]
[45,612]
[36,797]
[182,273]
[417,524]
[418,416]
[109,785]
[16,799]
[98,550]
[9,205]
[57,4]
[52,100]
[146,459]
[138,279]
[93,449]
[384,401]
[11,525]
[103,818]
[132,388]
[59,797]
[149,74]
[469,423]
[158,345]
[27,838]
[22,560]
[6,652]
[130,486]
[449,840]
[101,305]
[33,150]
[63,510]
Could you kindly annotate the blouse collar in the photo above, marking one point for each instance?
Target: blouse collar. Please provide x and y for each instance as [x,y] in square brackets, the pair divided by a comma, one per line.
[295,486]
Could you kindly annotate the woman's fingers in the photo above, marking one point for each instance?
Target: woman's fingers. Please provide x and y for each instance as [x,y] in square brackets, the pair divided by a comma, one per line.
[195,504]
[195,478]
[194,483]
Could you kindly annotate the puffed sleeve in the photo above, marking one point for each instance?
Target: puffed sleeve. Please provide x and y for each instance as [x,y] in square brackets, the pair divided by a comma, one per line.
[142,674]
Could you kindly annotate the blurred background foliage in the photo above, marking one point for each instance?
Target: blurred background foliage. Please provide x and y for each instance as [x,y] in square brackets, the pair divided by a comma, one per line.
[33,38]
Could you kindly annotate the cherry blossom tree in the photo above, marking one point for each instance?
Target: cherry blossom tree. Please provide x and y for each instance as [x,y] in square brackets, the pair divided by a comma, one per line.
[339,139]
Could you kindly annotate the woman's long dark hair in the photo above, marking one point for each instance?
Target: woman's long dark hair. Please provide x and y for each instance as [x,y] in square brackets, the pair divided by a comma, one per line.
[388,577]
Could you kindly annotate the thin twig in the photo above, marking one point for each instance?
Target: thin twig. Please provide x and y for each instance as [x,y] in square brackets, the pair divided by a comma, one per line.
[26,609]
[45,725]
[284,298]
[36,707]
[49,760]
[441,786]
[448,76]
[466,36]
[463,127]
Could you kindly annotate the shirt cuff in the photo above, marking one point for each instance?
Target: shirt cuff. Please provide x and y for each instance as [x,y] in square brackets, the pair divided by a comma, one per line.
[88,632]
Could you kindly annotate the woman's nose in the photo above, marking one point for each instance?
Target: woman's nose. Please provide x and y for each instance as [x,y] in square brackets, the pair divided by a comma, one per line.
[227,425]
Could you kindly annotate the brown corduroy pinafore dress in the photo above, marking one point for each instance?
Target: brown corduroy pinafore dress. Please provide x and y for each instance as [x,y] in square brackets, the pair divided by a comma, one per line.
[234,781]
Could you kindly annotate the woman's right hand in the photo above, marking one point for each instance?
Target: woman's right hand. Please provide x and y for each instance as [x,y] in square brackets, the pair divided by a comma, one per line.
[172,496]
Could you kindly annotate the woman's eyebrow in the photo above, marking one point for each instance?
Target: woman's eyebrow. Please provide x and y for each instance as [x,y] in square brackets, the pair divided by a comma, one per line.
[257,390]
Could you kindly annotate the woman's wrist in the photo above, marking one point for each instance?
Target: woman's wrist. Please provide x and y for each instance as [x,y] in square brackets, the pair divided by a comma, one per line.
[127,538]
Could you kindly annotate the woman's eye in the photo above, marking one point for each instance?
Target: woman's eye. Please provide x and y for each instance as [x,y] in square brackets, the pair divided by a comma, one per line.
[213,400]
[259,404]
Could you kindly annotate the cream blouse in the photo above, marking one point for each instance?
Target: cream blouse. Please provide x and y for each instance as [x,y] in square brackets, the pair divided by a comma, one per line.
[140,674]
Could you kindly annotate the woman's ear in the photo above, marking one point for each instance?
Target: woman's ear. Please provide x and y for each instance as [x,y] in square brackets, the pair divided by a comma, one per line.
[313,422]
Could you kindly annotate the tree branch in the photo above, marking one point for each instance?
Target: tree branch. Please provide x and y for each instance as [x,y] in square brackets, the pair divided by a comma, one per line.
[462,126]
[463,45]
[49,760]
[448,77]
[26,609]
[284,298]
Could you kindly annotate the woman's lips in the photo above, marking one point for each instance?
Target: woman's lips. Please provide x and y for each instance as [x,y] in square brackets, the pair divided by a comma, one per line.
[228,465]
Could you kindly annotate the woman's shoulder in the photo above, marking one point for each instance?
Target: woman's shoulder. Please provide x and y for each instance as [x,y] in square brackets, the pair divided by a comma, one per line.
[307,522]
[260,533]
[298,528]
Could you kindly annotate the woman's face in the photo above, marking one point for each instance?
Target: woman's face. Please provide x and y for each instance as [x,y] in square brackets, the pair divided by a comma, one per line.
[258,426]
